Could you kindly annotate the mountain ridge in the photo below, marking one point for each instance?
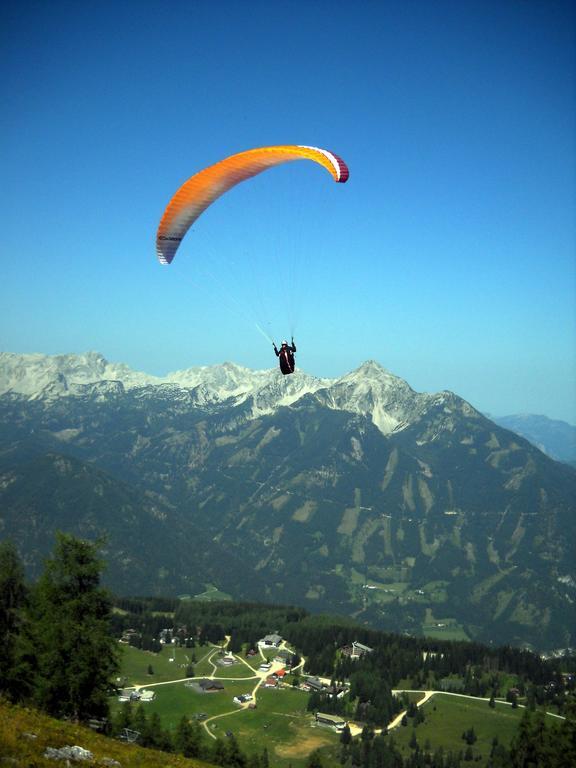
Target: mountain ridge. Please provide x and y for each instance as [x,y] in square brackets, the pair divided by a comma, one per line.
[445,514]
[369,389]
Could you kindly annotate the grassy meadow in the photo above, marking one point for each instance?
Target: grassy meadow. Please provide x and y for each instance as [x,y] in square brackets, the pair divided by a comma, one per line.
[281,723]
[448,717]
[26,733]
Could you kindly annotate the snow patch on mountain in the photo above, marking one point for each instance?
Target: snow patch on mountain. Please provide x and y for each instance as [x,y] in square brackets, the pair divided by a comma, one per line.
[30,374]
[373,391]
[370,390]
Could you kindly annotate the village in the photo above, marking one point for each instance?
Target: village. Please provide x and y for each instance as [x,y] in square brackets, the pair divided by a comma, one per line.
[264,690]
[272,665]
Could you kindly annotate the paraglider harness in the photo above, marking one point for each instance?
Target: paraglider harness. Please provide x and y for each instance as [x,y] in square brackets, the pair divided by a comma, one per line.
[286,356]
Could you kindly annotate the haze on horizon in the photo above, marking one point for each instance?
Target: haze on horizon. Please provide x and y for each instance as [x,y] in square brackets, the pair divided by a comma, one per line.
[448,257]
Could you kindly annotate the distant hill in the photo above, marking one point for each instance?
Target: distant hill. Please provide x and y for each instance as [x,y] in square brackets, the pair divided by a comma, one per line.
[412,512]
[554,437]
[147,550]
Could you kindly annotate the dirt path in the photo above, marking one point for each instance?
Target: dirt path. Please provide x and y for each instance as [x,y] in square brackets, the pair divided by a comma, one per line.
[259,675]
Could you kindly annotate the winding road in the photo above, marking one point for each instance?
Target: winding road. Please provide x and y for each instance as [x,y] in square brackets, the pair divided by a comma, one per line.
[261,675]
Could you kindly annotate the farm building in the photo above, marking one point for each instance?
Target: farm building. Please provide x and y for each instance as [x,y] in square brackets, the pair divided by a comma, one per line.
[146,696]
[210,686]
[270,641]
[356,650]
[330,721]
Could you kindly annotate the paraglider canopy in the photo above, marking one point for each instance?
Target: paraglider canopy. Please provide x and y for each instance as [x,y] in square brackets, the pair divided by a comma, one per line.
[202,189]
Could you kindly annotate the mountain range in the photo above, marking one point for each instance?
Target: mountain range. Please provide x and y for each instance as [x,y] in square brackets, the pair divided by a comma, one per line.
[554,437]
[413,512]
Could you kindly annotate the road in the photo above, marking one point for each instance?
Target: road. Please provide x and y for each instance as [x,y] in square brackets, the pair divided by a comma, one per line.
[260,676]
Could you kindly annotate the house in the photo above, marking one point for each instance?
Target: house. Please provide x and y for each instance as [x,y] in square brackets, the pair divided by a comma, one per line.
[210,686]
[356,650]
[285,657]
[312,684]
[243,698]
[146,696]
[166,636]
[270,682]
[130,636]
[270,641]
[128,695]
[330,721]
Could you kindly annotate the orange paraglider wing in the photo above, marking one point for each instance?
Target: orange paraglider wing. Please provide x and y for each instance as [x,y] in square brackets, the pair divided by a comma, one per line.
[202,189]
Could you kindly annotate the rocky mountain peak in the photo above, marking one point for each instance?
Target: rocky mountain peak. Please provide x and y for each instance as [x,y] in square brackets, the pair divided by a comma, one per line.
[370,390]
[373,391]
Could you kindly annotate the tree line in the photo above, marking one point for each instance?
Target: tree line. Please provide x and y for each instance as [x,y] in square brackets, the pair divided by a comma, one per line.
[60,653]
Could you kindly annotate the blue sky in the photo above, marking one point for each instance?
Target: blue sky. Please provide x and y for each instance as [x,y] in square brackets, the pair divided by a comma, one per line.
[449,256]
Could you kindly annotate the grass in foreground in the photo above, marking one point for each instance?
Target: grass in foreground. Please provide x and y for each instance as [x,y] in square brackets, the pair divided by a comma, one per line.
[25,734]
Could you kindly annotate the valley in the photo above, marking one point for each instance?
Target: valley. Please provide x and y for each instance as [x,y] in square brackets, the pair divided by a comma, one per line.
[435,520]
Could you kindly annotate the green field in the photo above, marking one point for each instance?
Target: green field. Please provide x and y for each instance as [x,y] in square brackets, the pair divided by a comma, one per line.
[281,724]
[447,717]
[135,663]
[212,593]
[172,663]
[176,699]
[280,721]
[442,629]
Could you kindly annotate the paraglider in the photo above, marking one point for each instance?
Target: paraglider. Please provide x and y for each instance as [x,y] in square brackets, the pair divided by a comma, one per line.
[206,186]
[285,357]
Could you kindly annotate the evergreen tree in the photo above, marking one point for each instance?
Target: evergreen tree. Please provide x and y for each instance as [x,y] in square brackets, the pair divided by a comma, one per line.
[346,736]
[532,745]
[234,758]
[154,734]
[139,721]
[187,738]
[77,656]
[123,718]
[314,760]
[219,753]
[14,681]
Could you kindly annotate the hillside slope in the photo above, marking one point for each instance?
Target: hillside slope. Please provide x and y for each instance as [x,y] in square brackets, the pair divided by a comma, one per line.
[358,495]
[25,734]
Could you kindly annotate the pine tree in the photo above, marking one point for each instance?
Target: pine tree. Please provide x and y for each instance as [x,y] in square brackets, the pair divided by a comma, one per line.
[234,756]
[314,760]
[186,738]
[139,720]
[77,656]
[346,736]
[14,680]
[154,734]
